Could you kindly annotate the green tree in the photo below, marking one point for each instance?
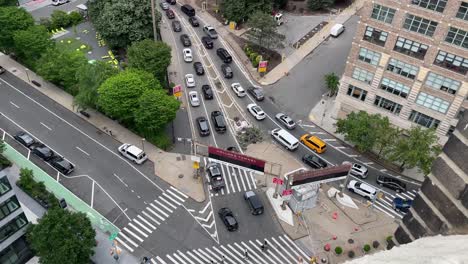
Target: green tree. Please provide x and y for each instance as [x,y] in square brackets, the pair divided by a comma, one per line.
[252,6]
[418,149]
[122,22]
[119,95]
[234,10]
[387,135]
[60,66]
[12,19]
[62,236]
[155,110]
[319,4]
[358,128]
[150,56]
[333,83]
[31,43]
[8,2]
[60,19]
[90,76]
[263,31]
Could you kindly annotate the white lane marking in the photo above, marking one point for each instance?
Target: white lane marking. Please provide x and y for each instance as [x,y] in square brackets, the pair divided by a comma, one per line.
[185,257]
[138,230]
[216,257]
[175,196]
[163,206]
[253,179]
[181,193]
[286,251]
[329,139]
[259,244]
[223,255]
[368,163]
[235,177]
[206,218]
[153,212]
[169,257]
[92,191]
[239,174]
[142,226]
[120,179]
[86,153]
[407,196]
[341,147]
[384,211]
[201,256]
[124,244]
[279,253]
[14,104]
[151,218]
[146,221]
[170,198]
[133,234]
[206,207]
[208,257]
[160,260]
[164,200]
[239,254]
[161,211]
[247,178]
[195,257]
[44,125]
[253,252]
[128,239]
[230,253]
[383,170]
[294,244]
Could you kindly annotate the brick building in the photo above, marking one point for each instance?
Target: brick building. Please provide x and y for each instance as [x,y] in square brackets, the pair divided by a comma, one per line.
[409,62]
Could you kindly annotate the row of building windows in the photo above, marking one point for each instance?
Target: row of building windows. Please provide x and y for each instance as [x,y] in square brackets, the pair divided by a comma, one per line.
[12,227]
[4,185]
[452,62]
[457,37]
[363,75]
[432,102]
[357,92]
[388,105]
[375,36]
[411,48]
[434,5]
[420,25]
[386,14]
[383,13]
[463,11]
[439,82]
[394,87]
[8,207]
[369,56]
[402,68]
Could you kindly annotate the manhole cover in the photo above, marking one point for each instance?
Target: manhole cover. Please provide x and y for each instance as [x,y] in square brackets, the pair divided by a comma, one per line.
[181,176]
[178,158]
[351,241]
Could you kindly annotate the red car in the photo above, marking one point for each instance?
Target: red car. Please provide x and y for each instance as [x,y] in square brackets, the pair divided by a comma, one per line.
[170,14]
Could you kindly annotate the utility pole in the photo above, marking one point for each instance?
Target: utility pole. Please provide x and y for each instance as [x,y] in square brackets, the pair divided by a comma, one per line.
[153,15]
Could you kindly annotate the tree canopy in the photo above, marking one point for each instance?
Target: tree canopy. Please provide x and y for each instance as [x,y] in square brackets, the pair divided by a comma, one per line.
[8,2]
[333,83]
[358,127]
[12,19]
[264,31]
[61,236]
[31,43]
[319,4]
[121,22]
[234,10]
[151,56]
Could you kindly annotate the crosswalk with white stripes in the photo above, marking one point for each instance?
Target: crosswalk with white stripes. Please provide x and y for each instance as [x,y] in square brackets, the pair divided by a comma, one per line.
[156,212]
[236,178]
[386,204]
[281,250]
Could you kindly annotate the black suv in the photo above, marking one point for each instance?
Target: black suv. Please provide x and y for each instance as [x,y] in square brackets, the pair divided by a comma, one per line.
[314,161]
[172,2]
[227,71]
[62,165]
[203,126]
[207,92]
[224,55]
[391,183]
[207,42]
[43,152]
[184,38]
[256,206]
[228,219]
[25,139]
[193,21]
[257,93]
[215,176]
[198,66]
[176,26]
[218,121]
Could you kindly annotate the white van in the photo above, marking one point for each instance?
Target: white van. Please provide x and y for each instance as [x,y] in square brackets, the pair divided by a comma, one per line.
[286,139]
[336,30]
[133,153]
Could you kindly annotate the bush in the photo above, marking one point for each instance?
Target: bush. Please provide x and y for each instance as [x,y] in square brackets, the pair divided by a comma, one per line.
[45,21]
[161,140]
[252,56]
[389,238]
[351,254]
[60,19]
[75,18]
[338,250]
[257,61]
[366,248]
[36,190]
[375,244]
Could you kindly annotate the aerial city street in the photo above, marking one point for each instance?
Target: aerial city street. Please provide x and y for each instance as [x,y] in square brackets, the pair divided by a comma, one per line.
[233,131]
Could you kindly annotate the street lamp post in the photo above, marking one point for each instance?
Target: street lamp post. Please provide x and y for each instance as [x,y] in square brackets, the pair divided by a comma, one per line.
[153,15]
[143,143]
[27,74]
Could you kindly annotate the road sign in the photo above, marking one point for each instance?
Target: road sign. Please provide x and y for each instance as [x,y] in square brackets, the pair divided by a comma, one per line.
[262,66]
[113,236]
[278,181]
[178,94]
[232,25]
[196,165]
[287,192]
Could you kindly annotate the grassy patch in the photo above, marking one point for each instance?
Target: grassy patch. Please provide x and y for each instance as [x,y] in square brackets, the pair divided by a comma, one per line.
[71,44]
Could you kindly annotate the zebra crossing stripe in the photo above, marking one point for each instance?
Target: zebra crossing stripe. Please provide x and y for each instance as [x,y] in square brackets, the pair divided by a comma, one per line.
[154,262]
[253,252]
[195,257]
[250,255]
[298,249]
[253,179]
[246,178]
[128,239]
[382,210]
[230,253]
[208,258]
[287,252]
[271,247]
[163,206]
[177,257]
[161,211]
[133,234]
[411,194]
[138,230]
[201,256]
[407,196]
[255,245]
[239,254]
[223,255]
[241,177]
[170,198]
[124,244]
[146,221]
[150,217]
[228,182]
[185,257]
[144,227]
[181,193]
[175,196]
[169,257]
[279,253]
[164,200]
[153,212]
[383,200]
[237,182]
[216,257]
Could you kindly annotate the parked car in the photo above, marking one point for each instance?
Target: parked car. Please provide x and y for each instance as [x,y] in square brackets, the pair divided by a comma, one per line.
[203,126]
[227,71]
[194,100]
[314,143]
[210,31]
[24,138]
[218,121]
[198,66]
[207,92]
[184,38]
[2,70]
[132,153]
[170,14]
[215,176]
[43,152]
[257,93]
[188,10]
[238,90]
[224,55]
[256,206]
[172,2]
[207,42]
[363,189]
[189,80]
[187,55]
[176,26]
[401,205]
[228,219]
[359,170]
[256,111]
[59,2]
[314,161]
[62,165]
[391,183]
[285,120]
[193,21]
[164,6]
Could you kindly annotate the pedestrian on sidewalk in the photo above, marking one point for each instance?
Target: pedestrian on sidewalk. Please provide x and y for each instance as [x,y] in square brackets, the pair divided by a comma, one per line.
[222,259]
[264,247]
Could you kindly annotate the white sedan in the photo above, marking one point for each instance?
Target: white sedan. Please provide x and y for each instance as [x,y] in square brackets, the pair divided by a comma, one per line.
[194,99]
[286,120]
[188,57]
[256,111]
[238,90]
[189,80]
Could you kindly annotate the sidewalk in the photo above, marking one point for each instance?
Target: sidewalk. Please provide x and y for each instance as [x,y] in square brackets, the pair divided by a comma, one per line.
[160,158]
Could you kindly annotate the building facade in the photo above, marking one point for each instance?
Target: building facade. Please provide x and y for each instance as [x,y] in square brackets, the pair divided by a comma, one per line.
[13,223]
[409,62]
